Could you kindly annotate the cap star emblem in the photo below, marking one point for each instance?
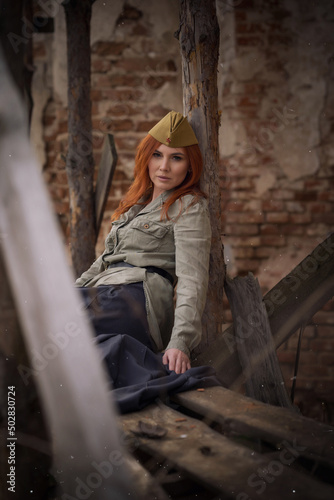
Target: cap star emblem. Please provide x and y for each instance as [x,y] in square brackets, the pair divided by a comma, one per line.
[168,139]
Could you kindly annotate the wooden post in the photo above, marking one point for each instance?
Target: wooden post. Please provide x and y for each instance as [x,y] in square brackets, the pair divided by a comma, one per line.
[199,42]
[256,348]
[79,162]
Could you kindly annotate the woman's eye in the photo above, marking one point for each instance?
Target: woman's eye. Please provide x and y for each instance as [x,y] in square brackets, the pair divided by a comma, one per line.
[156,155]
[177,158]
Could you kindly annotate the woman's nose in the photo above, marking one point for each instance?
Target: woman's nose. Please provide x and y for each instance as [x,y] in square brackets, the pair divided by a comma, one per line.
[164,165]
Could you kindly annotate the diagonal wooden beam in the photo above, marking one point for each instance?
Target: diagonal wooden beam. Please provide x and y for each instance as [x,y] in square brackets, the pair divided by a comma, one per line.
[290,303]
[57,334]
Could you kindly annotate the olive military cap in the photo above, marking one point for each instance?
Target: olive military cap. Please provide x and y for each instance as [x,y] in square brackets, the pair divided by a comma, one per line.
[174,131]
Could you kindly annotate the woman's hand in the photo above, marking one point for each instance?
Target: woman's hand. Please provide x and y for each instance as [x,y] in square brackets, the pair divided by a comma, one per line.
[176,360]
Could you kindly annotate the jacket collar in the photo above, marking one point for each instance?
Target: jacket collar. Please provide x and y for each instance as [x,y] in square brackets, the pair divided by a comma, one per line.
[157,203]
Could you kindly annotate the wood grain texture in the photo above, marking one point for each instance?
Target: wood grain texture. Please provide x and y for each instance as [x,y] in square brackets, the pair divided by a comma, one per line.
[79,159]
[217,462]
[238,414]
[199,43]
[256,349]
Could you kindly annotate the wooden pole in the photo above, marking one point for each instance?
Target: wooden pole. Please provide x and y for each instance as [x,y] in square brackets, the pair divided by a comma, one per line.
[57,333]
[79,162]
[199,43]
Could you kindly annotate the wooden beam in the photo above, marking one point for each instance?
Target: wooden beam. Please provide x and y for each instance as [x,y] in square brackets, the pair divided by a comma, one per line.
[256,349]
[225,467]
[291,303]
[240,415]
[104,178]
[58,335]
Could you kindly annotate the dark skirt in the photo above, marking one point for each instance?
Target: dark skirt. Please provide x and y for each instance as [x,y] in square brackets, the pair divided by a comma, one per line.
[137,373]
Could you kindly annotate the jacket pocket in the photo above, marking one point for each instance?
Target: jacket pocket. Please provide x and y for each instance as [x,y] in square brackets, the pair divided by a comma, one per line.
[147,235]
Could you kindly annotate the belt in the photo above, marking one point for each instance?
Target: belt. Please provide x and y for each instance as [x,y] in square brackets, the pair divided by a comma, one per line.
[150,269]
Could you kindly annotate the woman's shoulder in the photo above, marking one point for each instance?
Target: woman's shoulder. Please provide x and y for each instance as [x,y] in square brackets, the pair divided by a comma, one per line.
[199,202]
[189,203]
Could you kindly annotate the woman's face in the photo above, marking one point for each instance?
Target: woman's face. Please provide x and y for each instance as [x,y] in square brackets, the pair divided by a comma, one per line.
[167,168]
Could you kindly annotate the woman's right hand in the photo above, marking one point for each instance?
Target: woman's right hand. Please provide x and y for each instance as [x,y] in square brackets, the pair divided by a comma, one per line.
[176,360]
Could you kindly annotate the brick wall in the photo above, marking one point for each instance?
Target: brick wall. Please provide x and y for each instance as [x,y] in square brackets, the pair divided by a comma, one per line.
[277,163]
[277,176]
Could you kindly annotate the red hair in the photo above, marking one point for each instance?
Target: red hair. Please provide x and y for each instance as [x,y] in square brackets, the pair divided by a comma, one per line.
[142,185]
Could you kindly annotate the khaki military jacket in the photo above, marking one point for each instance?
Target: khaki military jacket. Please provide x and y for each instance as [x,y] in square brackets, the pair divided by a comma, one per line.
[180,246]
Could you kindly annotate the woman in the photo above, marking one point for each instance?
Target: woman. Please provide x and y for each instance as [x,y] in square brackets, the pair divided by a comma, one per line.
[160,238]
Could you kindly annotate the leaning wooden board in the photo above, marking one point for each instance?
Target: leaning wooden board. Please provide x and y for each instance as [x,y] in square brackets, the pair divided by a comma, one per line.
[219,463]
[241,415]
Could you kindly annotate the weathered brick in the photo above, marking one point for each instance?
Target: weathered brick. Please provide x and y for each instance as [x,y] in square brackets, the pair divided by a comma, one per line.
[247,265]
[101,65]
[241,184]
[277,217]
[244,218]
[325,331]
[250,41]
[324,218]
[327,359]
[283,194]
[244,229]
[126,142]
[244,253]
[250,28]
[254,241]
[61,207]
[273,206]
[286,356]
[263,252]
[145,64]
[144,126]
[157,81]
[268,229]
[323,318]
[291,229]
[105,48]
[322,345]
[300,218]
[121,95]
[247,100]
[274,241]
[295,207]
[313,371]
[114,81]
[235,206]
[285,40]
[305,195]
[305,383]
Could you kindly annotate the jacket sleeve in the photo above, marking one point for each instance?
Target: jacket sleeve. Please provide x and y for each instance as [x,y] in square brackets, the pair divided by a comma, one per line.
[96,268]
[192,233]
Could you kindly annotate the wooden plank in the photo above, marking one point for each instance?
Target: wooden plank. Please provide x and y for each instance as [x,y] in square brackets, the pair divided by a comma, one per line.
[215,461]
[242,415]
[57,334]
[291,303]
[256,349]
[146,486]
[104,178]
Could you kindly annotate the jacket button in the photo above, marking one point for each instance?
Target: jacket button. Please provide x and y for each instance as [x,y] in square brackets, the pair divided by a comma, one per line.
[146,226]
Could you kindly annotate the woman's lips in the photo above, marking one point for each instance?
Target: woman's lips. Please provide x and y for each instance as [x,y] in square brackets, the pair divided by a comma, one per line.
[163,178]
